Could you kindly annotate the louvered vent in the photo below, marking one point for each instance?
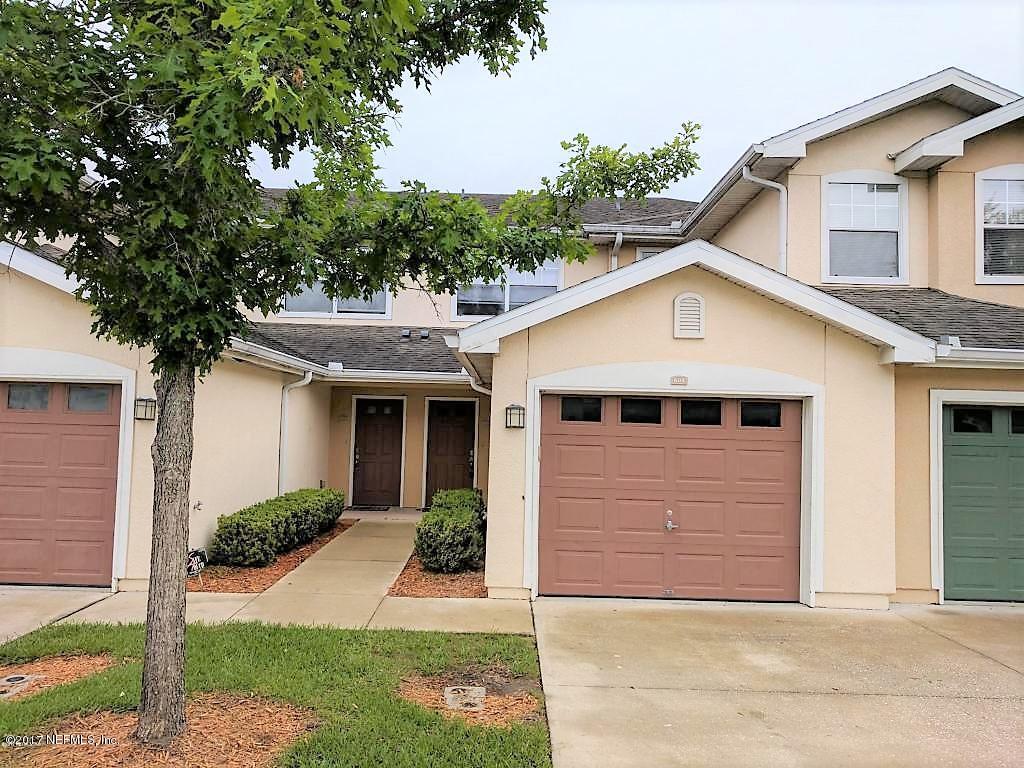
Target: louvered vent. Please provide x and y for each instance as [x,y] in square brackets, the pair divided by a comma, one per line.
[688,316]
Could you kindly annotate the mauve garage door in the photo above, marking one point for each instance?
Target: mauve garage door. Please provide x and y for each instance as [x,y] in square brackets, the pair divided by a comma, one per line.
[58,480]
[670,497]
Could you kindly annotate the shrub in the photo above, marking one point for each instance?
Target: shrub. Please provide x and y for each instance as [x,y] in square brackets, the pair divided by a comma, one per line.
[256,535]
[450,537]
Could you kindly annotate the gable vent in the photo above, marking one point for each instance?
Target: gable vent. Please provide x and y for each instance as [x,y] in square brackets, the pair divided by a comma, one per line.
[688,316]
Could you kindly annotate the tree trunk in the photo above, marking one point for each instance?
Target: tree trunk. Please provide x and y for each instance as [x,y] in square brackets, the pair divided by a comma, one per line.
[162,707]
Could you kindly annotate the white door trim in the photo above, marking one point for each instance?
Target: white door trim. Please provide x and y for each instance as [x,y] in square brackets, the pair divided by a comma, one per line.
[29,364]
[938,398]
[702,379]
[352,444]
[426,434]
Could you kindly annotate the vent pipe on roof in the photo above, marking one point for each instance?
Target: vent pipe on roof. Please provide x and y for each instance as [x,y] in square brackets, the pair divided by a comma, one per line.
[783,212]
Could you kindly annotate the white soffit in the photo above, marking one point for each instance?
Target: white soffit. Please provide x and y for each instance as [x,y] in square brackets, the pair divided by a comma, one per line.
[932,151]
[906,346]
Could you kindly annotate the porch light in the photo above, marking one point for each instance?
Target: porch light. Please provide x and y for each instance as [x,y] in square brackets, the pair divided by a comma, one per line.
[145,408]
[515,416]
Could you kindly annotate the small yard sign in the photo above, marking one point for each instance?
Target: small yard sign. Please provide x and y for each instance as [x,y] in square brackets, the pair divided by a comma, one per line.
[197,560]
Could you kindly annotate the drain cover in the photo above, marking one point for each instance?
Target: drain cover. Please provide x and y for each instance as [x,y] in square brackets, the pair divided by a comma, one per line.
[467,698]
[11,684]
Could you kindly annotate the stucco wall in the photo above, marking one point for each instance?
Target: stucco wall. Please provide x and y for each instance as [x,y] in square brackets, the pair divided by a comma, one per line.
[236,415]
[306,458]
[913,470]
[341,425]
[953,249]
[754,231]
[743,329]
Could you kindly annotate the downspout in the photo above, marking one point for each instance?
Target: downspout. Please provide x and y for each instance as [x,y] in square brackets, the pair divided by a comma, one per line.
[613,257]
[783,212]
[281,463]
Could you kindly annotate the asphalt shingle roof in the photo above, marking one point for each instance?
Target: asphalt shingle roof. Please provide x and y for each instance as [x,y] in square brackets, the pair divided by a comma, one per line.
[360,347]
[654,211]
[935,313]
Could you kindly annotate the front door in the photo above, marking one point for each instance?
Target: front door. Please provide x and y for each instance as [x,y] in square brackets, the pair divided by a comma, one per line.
[451,442]
[377,462]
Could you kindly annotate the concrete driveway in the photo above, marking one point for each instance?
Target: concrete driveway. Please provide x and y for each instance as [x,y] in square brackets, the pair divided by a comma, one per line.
[24,609]
[637,683]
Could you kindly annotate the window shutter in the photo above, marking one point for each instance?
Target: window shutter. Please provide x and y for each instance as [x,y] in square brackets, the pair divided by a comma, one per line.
[688,316]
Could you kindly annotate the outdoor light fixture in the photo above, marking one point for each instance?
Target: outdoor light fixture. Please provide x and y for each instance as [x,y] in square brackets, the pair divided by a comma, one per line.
[145,408]
[515,416]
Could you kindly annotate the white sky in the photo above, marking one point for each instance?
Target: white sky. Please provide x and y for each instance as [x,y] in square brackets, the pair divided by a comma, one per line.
[629,72]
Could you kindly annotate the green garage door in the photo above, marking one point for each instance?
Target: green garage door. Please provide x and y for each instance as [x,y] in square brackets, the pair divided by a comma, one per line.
[983,502]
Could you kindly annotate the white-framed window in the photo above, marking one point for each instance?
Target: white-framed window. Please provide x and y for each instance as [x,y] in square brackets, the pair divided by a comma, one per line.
[312,301]
[864,228]
[646,251]
[482,299]
[999,221]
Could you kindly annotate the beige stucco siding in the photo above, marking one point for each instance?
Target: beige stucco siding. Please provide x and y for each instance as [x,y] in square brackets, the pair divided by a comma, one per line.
[339,470]
[306,447]
[913,468]
[953,216]
[743,330]
[754,231]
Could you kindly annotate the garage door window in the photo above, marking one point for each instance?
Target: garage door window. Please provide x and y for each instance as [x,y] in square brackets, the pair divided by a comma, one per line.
[581,409]
[28,397]
[700,413]
[640,410]
[1017,421]
[758,413]
[972,420]
[84,398]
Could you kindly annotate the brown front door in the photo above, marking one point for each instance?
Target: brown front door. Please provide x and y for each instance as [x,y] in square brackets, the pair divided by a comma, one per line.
[451,445]
[670,497]
[58,482]
[377,471]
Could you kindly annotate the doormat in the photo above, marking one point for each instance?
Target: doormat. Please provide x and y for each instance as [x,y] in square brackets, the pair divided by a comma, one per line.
[368,508]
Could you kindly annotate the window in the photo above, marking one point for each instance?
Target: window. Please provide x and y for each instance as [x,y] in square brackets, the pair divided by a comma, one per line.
[1017,421]
[1000,213]
[973,420]
[760,413]
[581,409]
[700,413]
[85,398]
[482,299]
[314,301]
[28,397]
[639,410]
[863,229]
[646,252]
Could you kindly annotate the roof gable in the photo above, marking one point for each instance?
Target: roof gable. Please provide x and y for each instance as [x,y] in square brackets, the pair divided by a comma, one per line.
[900,344]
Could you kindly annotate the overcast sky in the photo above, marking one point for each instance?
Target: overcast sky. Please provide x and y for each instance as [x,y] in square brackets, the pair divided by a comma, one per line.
[629,71]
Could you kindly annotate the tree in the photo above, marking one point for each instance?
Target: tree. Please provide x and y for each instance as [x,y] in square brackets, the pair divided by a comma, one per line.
[129,125]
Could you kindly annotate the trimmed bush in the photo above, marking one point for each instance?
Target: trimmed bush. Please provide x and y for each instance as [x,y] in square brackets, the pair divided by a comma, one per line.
[256,535]
[450,537]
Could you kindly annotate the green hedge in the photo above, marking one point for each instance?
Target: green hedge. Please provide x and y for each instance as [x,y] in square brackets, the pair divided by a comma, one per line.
[256,535]
[450,537]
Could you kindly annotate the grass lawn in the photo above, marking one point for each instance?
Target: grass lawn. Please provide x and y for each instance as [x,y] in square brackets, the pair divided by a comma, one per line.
[347,677]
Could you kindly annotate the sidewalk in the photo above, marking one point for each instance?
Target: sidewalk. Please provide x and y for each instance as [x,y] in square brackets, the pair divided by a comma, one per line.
[345,585]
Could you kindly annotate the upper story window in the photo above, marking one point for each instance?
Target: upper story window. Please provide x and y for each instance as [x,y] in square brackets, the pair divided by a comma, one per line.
[864,228]
[482,299]
[313,301]
[1000,218]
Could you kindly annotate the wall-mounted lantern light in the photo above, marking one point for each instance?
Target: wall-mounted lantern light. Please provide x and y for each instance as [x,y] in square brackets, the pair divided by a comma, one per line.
[145,408]
[515,416]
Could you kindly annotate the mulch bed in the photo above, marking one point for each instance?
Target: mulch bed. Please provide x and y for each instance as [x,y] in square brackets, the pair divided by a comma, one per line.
[224,731]
[233,578]
[507,700]
[415,581]
[55,670]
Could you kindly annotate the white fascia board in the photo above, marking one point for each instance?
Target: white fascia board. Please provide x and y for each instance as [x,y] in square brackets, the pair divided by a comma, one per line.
[978,357]
[36,266]
[907,346]
[793,143]
[934,150]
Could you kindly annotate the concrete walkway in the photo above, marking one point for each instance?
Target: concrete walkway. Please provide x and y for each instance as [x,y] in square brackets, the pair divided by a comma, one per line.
[682,684]
[344,584]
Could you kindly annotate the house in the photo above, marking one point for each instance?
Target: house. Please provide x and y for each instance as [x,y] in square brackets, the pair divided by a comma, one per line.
[809,386]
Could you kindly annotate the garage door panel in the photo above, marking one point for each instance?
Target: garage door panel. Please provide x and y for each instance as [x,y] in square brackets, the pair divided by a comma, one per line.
[734,503]
[58,481]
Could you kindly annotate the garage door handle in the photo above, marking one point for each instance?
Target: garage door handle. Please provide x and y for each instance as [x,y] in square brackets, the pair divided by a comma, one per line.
[670,526]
